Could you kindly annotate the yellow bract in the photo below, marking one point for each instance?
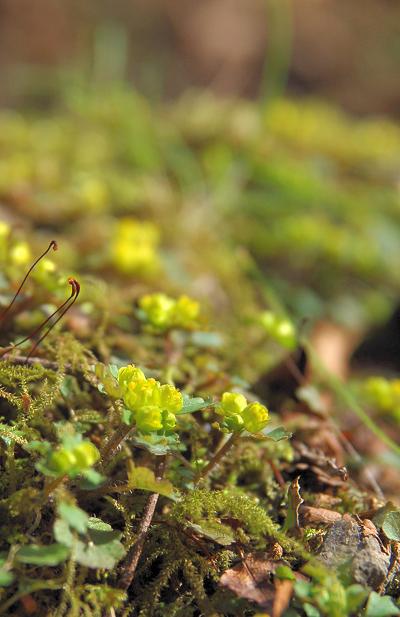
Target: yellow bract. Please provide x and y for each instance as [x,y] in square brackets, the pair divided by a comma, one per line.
[153,405]
[238,415]
[163,312]
[134,247]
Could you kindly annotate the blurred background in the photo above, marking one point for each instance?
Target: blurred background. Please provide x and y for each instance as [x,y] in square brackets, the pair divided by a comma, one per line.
[250,148]
[348,52]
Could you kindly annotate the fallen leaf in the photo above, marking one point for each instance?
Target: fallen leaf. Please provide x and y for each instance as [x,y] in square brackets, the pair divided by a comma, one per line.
[252,579]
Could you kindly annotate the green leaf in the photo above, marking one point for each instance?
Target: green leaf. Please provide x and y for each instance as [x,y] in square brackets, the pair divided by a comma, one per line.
[74,516]
[355,596]
[157,444]
[311,611]
[284,572]
[62,533]
[380,606]
[6,578]
[190,405]
[50,555]
[221,534]
[103,550]
[211,340]
[144,479]
[391,525]
[91,479]
[279,433]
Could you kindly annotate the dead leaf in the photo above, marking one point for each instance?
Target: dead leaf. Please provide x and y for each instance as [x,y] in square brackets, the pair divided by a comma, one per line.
[252,580]
[283,594]
[310,515]
[294,502]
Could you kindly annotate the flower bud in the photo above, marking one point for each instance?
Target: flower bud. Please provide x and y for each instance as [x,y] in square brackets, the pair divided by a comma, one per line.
[185,313]
[86,454]
[170,398]
[158,309]
[232,403]
[168,420]
[142,393]
[149,419]
[234,423]
[62,461]
[255,417]
[126,374]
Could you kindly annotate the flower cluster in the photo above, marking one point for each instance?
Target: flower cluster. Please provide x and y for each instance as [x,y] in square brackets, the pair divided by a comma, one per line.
[153,406]
[279,328]
[134,248]
[238,415]
[73,460]
[163,312]
[384,394]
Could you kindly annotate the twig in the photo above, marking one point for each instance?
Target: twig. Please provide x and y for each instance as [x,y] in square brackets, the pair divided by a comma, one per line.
[25,361]
[135,553]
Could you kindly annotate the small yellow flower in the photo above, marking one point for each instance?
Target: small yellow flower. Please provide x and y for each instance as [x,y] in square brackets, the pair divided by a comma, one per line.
[126,374]
[149,419]
[232,404]
[168,420]
[20,254]
[170,399]
[134,247]
[186,313]
[158,309]
[255,417]
[142,393]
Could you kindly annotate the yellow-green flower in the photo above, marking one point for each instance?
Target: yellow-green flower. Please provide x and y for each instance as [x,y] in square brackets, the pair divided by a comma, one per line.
[142,393]
[232,404]
[149,419]
[280,329]
[134,247]
[255,417]
[158,309]
[74,460]
[170,398]
[126,374]
[186,313]
[168,420]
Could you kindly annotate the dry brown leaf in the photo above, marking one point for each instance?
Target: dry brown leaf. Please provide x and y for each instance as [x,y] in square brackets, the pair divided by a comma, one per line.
[283,594]
[252,580]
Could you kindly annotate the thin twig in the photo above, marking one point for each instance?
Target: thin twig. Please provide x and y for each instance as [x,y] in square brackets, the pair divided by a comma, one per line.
[25,361]
[132,560]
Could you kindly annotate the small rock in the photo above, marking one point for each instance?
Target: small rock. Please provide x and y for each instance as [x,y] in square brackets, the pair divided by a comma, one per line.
[345,544]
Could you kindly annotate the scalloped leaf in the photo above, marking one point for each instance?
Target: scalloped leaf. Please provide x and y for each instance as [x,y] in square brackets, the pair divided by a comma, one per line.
[190,405]
[144,479]
[278,434]
[50,555]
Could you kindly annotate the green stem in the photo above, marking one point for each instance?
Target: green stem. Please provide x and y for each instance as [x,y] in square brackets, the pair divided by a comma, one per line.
[219,455]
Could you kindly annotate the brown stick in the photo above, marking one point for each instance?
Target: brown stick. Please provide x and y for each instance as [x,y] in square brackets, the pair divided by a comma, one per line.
[25,361]
[135,552]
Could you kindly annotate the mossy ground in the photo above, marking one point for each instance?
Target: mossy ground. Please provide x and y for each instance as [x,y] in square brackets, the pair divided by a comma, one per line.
[244,209]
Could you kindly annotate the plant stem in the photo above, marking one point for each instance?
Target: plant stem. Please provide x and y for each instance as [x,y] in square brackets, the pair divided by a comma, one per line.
[135,552]
[219,455]
[114,442]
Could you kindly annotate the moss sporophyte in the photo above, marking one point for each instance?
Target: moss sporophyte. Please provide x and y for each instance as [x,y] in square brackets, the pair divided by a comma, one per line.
[58,313]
